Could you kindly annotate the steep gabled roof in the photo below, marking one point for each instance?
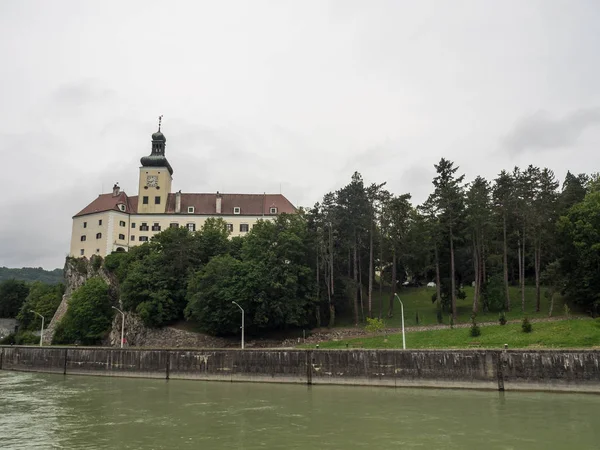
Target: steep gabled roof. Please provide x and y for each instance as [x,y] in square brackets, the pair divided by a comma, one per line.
[108,202]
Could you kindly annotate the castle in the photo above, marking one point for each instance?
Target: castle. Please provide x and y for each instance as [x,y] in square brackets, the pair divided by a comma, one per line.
[117,221]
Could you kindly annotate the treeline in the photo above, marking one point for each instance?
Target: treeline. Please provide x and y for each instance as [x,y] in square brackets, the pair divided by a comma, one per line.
[18,298]
[32,274]
[520,228]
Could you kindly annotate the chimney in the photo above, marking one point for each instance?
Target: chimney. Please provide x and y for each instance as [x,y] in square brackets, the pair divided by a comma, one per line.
[116,190]
[178,201]
[218,204]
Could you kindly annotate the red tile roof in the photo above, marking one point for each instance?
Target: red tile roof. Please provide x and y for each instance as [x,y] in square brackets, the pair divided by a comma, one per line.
[204,204]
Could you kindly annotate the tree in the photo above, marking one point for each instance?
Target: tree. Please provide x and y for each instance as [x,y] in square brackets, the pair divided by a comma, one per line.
[553,279]
[478,215]
[579,238]
[12,295]
[449,200]
[43,298]
[573,191]
[89,315]
[210,293]
[503,195]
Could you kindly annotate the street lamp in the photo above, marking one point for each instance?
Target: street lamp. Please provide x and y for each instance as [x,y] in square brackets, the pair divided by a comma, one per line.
[235,303]
[122,323]
[42,331]
[402,310]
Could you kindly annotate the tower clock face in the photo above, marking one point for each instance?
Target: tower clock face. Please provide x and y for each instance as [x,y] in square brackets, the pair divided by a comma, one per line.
[152,180]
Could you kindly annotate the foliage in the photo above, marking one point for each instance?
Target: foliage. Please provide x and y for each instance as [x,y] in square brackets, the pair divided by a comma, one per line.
[31,274]
[272,281]
[96,262]
[12,295]
[44,299]
[579,233]
[502,318]
[567,311]
[495,294]
[89,315]
[374,325]
[26,338]
[526,325]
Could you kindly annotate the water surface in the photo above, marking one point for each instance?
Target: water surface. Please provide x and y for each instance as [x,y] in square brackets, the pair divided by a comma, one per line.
[53,411]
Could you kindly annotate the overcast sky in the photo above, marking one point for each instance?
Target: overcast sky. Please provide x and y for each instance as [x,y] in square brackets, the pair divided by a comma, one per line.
[297,95]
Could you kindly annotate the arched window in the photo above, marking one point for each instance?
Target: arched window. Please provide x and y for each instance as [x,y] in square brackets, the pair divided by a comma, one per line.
[98,235]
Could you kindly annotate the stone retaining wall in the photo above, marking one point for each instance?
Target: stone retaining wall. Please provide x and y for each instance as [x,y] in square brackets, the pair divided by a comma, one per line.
[576,370]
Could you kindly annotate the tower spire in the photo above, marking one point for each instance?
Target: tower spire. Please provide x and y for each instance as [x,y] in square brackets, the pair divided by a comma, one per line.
[159,121]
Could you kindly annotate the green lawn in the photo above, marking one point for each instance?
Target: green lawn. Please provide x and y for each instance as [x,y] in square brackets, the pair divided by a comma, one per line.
[572,333]
[419,300]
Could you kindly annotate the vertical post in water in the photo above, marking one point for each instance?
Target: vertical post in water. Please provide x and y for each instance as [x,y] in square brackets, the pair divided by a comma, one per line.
[65,362]
[309,367]
[168,363]
[500,361]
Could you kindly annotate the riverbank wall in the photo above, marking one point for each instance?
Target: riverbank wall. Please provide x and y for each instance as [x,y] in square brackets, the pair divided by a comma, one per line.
[546,370]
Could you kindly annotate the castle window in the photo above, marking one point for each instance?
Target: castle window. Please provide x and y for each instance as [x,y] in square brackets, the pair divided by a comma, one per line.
[191,226]
[144,226]
[97,250]
[190,210]
[84,224]
[100,222]
[98,235]
[236,210]
[132,224]
[174,225]
[81,252]
[230,227]
[145,200]
[122,223]
[273,210]
[156,227]
[122,237]
[83,238]
[157,200]
[132,237]
[143,238]
[244,227]
[122,207]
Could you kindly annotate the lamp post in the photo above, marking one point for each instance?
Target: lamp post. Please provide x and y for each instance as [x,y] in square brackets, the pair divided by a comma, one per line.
[235,303]
[402,310]
[122,323]
[42,331]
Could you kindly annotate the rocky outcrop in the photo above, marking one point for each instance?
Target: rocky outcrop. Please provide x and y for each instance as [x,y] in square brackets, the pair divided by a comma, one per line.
[77,271]
[138,335]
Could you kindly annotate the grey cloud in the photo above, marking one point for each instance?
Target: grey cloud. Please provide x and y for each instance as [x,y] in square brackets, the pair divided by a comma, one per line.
[540,131]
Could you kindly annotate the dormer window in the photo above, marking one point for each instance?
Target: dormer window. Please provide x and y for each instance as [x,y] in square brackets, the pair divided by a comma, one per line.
[121,206]
[236,210]
[190,210]
[273,210]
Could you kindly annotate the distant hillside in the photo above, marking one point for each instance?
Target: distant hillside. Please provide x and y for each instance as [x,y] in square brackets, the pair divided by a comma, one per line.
[32,274]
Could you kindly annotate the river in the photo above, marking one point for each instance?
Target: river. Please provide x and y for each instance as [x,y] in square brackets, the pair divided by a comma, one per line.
[53,411]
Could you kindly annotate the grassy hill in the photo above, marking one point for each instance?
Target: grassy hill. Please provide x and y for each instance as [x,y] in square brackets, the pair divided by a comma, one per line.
[419,300]
[32,274]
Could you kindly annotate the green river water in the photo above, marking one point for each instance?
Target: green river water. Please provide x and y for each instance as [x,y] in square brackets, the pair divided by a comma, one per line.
[84,412]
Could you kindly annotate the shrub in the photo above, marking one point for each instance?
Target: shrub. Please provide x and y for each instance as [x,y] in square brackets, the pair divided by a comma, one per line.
[526,325]
[502,318]
[96,261]
[374,325]
[10,339]
[475,330]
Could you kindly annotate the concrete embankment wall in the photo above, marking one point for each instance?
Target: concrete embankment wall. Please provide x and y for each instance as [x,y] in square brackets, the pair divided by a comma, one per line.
[575,370]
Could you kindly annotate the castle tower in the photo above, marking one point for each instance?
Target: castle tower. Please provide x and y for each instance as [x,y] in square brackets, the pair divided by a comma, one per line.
[155,177]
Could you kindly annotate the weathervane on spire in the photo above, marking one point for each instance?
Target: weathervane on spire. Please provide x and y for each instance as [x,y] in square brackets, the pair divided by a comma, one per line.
[159,121]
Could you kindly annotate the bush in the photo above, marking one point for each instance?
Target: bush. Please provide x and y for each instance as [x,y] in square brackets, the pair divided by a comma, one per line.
[495,296]
[374,325]
[27,338]
[475,330]
[10,339]
[502,318]
[96,261]
[526,325]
